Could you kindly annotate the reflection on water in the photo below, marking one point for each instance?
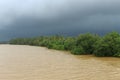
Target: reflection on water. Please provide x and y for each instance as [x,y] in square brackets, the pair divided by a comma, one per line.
[36,63]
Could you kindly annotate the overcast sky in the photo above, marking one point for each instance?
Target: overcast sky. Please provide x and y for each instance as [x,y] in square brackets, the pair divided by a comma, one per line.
[28,18]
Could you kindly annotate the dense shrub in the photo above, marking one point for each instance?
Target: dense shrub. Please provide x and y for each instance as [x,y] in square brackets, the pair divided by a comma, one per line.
[117,55]
[108,45]
[58,47]
[86,41]
[78,50]
[69,43]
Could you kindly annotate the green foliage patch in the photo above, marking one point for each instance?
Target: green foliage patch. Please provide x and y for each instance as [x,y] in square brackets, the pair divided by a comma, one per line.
[108,45]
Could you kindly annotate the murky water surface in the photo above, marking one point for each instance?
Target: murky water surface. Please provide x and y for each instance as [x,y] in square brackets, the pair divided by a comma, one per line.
[37,63]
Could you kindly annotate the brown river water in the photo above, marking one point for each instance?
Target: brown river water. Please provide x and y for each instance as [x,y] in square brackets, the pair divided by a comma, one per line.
[19,62]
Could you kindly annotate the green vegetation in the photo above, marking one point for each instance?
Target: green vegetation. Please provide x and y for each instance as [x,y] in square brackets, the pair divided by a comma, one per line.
[109,45]
[84,44]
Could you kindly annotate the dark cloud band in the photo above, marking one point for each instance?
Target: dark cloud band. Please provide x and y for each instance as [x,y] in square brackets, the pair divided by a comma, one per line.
[27,18]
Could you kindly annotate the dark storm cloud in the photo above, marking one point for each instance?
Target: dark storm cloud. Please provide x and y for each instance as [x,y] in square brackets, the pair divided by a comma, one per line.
[27,18]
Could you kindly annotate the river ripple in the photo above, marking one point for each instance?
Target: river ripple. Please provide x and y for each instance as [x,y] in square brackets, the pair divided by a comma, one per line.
[19,62]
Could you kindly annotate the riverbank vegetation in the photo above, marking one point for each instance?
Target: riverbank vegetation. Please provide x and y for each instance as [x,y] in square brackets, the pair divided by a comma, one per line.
[108,45]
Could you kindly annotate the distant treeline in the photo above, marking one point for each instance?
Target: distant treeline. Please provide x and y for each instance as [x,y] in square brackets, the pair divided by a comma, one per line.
[4,42]
[84,44]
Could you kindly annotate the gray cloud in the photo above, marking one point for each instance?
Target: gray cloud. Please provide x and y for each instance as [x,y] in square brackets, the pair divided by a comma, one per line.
[27,18]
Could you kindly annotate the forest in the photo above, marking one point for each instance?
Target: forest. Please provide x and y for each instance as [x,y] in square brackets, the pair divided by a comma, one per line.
[84,44]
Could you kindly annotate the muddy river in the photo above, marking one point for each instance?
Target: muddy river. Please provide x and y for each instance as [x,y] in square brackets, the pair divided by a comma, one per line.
[19,62]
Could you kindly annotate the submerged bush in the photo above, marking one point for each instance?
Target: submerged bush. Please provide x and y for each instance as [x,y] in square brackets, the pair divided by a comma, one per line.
[69,43]
[86,41]
[108,45]
[78,50]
